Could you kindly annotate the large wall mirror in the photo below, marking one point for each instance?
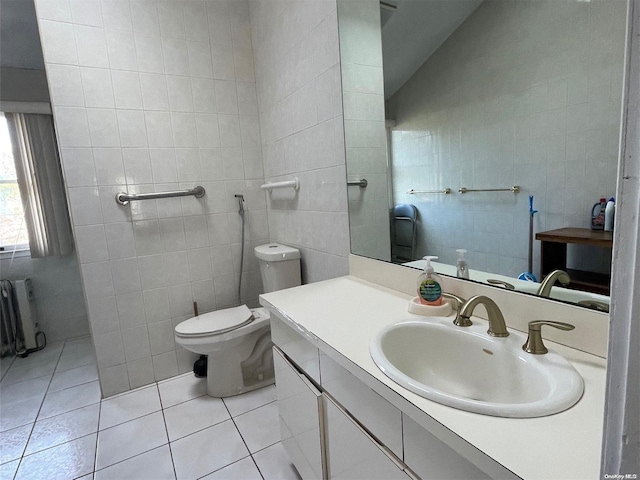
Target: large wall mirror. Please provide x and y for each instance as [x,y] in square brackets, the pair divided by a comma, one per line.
[490,126]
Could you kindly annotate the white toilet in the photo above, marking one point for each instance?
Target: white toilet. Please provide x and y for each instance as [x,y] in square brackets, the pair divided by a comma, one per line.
[237,341]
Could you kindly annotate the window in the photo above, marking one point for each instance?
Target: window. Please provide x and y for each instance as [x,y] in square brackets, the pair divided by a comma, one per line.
[13,230]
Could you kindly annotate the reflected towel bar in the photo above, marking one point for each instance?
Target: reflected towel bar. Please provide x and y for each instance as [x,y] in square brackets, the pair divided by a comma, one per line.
[124,198]
[360,183]
[514,189]
[446,191]
[295,184]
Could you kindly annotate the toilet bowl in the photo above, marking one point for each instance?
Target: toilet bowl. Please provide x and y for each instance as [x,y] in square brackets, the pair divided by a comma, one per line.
[237,341]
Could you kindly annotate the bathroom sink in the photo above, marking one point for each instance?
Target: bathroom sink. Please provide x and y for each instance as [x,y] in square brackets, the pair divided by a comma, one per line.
[467,369]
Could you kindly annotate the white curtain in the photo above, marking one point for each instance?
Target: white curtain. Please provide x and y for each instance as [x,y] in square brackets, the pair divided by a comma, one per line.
[41,185]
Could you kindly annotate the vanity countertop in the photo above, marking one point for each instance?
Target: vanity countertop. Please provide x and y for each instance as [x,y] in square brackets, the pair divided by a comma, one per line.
[345,314]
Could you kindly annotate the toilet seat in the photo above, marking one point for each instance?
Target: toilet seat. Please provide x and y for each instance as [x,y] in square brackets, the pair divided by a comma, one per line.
[215,323]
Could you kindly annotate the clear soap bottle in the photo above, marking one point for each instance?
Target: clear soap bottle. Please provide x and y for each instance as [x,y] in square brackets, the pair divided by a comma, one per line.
[462,270]
[429,285]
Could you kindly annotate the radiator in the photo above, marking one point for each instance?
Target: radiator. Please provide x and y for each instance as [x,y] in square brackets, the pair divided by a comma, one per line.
[27,309]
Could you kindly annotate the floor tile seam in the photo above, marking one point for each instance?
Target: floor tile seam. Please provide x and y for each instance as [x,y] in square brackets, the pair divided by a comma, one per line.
[57,444]
[172,379]
[240,433]
[24,449]
[72,386]
[95,451]
[6,385]
[16,426]
[228,465]
[133,390]
[39,410]
[95,470]
[255,408]
[196,431]
[257,466]
[184,401]
[166,430]
[61,444]
[92,362]
[13,359]
[62,413]
[268,446]
[127,421]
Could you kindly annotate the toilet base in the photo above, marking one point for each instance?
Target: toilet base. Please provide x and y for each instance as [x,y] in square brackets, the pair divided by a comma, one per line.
[243,368]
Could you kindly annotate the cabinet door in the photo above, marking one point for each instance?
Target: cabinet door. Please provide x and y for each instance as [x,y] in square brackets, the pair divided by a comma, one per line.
[432,459]
[382,419]
[351,453]
[301,418]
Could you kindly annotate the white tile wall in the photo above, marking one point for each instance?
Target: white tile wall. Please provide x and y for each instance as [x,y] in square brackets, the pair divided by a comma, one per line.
[58,292]
[152,95]
[523,93]
[301,127]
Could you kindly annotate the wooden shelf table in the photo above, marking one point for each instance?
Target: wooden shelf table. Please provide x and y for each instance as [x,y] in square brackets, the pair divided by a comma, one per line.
[554,256]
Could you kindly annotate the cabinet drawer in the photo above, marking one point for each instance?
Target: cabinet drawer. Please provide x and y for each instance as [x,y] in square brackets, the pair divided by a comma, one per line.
[430,458]
[351,453]
[381,418]
[301,418]
[300,350]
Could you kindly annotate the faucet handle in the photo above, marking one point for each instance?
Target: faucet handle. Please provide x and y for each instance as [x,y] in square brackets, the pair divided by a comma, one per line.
[534,342]
[459,301]
[500,283]
[595,304]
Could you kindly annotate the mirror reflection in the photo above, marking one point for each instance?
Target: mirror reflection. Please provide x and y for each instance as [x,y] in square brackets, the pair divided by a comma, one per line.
[45,347]
[513,108]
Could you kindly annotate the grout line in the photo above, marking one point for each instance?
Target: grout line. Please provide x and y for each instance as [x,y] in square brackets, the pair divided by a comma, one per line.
[255,408]
[131,458]
[256,464]
[95,453]
[33,425]
[166,429]
[221,468]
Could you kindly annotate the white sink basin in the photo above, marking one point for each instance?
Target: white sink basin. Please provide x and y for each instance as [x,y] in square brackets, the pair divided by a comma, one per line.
[465,368]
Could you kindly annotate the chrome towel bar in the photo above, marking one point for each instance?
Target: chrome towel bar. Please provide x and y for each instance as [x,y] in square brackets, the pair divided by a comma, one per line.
[445,191]
[124,198]
[514,189]
[360,183]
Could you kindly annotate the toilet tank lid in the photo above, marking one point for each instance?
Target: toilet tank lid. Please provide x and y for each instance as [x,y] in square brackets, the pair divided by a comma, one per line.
[274,252]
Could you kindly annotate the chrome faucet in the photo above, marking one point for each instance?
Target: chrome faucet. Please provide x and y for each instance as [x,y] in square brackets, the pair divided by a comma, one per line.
[550,280]
[459,301]
[497,326]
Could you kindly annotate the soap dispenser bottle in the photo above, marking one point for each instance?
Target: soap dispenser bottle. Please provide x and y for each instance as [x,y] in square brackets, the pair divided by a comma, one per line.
[429,285]
[462,268]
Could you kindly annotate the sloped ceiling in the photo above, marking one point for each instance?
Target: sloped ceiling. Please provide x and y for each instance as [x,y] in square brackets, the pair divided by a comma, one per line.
[19,37]
[413,31]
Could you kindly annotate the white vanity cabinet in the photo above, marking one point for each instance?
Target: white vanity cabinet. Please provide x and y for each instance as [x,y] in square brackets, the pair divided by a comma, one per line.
[300,409]
[334,425]
[351,453]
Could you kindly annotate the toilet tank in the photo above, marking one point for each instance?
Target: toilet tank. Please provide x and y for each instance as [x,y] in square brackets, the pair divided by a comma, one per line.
[279,266]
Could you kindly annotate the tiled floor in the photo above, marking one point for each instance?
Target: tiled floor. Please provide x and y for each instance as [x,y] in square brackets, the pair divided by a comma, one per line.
[53,425]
